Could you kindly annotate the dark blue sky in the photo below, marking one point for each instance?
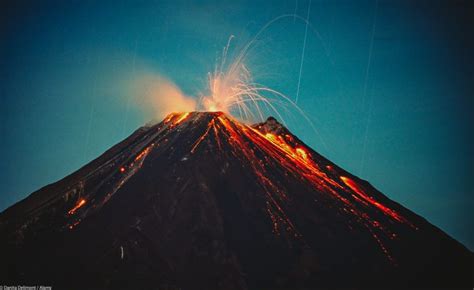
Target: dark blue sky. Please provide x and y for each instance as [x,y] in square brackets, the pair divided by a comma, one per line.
[388,84]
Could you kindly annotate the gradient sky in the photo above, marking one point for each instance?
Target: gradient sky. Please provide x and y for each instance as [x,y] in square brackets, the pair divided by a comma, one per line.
[388,85]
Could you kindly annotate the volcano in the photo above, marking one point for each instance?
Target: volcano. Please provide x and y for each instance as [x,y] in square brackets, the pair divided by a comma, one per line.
[202,201]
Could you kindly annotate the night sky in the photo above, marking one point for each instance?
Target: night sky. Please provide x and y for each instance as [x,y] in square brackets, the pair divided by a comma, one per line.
[387,84]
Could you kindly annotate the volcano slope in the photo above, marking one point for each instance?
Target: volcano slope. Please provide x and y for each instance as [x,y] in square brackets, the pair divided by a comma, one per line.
[201,201]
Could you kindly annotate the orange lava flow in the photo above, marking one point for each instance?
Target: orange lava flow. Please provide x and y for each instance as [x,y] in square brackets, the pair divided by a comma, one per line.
[128,171]
[302,153]
[168,118]
[300,157]
[142,154]
[301,161]
[356,188]
[78,205]
[196,144]
[181,118]
[273,193]
[263,150]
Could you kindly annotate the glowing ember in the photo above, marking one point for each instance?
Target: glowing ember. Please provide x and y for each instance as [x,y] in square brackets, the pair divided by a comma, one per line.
[78,205]
[74,224]
[142,154]
[302,153]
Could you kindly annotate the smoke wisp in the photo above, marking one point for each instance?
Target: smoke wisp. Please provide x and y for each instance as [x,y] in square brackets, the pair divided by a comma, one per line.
[159,96]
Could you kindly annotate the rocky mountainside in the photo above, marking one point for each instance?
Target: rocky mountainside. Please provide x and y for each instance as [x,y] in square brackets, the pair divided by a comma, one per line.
[201,201]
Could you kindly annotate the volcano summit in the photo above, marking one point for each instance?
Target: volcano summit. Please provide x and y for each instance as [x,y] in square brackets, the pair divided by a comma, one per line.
[201,201]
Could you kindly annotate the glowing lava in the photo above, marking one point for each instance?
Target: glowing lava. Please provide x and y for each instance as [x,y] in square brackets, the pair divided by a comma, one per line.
[357,189]
[298,161]
[77,206]
[263,152]
[182,117]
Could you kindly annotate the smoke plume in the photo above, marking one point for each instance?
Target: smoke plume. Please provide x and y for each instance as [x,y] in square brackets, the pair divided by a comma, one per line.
[159,96]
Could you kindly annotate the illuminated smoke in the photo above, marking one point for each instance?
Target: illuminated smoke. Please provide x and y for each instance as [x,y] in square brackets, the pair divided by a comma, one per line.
[159,96]
[231,89]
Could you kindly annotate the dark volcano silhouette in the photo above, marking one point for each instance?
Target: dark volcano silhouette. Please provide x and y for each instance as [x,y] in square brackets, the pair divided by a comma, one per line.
[201,201]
